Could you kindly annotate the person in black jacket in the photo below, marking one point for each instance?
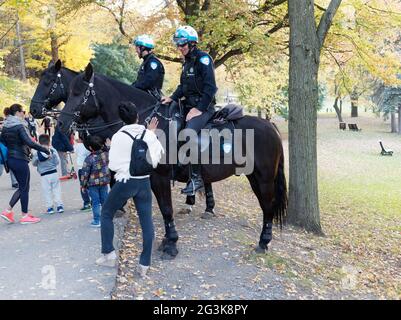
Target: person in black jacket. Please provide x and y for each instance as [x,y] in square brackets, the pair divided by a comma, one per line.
[151,72]
[14,183]
[198,87]
[62,144]
[47,121]
[16,138]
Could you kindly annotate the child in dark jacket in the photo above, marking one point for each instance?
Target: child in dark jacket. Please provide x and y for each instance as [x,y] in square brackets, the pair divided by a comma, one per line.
[95,176]
[61,143]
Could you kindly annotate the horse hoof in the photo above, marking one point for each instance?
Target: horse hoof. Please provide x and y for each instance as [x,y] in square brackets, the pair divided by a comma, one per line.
[260,250]
[170,249]
[208,215]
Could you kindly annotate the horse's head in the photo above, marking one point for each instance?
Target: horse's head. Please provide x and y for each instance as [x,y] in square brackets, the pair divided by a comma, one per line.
[50,91]
[86,100]
[93,102]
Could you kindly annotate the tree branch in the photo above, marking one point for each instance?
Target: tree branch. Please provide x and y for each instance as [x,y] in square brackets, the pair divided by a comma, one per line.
[383,11]
[268,5]
[341,70]
[168,58]
[282,24]
[119,21]
[326,20]
[181,4]
[320,7]
[65,41]
[228,55]
[12,27]
[206,5]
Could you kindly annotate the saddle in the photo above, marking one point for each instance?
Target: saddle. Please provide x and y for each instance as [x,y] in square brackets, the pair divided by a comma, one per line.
[223,121]
[230,112]
[221,117]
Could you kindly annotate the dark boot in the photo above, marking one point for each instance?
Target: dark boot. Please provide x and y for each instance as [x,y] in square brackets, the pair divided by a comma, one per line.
[195,183]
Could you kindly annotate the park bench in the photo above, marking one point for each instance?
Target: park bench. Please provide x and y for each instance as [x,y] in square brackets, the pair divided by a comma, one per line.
[385,152]
[342,126]
[353,127]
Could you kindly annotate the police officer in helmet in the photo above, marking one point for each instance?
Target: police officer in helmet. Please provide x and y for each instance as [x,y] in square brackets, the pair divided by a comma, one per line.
[198,87]
[151,72]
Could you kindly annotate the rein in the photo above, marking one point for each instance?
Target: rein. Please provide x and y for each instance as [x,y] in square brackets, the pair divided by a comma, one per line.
[86,127]
[90,91]
[58,83]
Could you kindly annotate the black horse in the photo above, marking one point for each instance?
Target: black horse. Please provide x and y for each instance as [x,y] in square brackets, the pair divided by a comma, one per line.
[92,104]
[53,88]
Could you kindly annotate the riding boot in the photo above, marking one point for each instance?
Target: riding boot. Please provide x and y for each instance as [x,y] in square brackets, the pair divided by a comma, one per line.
[195,183]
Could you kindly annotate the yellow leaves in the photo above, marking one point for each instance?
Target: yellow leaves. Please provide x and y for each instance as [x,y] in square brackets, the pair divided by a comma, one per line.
[362,41]
[159,292]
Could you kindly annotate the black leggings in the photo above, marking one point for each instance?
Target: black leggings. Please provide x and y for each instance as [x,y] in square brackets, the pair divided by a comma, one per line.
[20,168]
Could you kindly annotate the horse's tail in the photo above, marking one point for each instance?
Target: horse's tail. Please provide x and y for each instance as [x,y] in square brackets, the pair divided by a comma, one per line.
[280,202]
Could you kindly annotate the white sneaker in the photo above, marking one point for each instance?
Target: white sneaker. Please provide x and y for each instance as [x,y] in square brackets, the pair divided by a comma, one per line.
[107,260]
[142,270]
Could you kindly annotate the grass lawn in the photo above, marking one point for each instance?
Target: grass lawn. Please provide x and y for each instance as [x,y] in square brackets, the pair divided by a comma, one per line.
[360,203]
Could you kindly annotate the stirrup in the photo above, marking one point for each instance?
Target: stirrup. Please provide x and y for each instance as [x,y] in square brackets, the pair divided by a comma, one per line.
[192,181]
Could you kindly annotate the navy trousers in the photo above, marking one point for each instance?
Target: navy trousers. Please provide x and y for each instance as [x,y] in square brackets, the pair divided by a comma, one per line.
[20,168]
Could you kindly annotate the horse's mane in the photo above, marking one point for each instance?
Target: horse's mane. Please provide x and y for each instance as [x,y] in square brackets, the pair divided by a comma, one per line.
[128,90]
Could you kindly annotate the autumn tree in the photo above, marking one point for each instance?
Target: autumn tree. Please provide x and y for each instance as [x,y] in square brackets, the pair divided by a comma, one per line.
[306,42]
[227,28]
[356,55]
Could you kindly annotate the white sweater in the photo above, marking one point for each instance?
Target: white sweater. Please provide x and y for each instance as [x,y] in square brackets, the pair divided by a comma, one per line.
[81,153]
[120,150]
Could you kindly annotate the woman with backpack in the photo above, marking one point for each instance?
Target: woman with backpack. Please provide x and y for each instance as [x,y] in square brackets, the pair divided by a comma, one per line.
[129,149]
[15,137]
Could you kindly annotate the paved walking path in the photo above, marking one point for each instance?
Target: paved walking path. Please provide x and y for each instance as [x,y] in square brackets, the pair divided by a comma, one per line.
[53,259]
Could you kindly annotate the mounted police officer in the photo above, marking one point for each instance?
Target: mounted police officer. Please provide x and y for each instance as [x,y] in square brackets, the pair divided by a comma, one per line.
[151,72]
[198,87]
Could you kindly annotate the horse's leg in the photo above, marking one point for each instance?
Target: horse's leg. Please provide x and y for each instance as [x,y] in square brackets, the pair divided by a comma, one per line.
[210,204]
[264,191]
[162,191]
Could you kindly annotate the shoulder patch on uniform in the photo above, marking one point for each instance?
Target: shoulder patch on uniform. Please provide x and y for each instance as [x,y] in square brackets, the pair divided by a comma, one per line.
[205,60]
[153,65]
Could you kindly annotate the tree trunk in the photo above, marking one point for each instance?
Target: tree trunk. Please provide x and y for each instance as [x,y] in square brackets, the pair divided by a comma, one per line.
[259,112]
[54,46]
[341,106]
[338,111]
[393,122]
[399,119]
[354,106]
[52,29]
[21,49]
[303,207]
[354,110]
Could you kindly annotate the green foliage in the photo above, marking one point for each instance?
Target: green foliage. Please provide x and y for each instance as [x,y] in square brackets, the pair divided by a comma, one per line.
[115,60]
[387,99]
[14,91]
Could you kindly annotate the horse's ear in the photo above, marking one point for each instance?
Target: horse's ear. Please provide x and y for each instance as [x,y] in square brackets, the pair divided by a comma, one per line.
[57,66]
[88,72]
[51,64]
